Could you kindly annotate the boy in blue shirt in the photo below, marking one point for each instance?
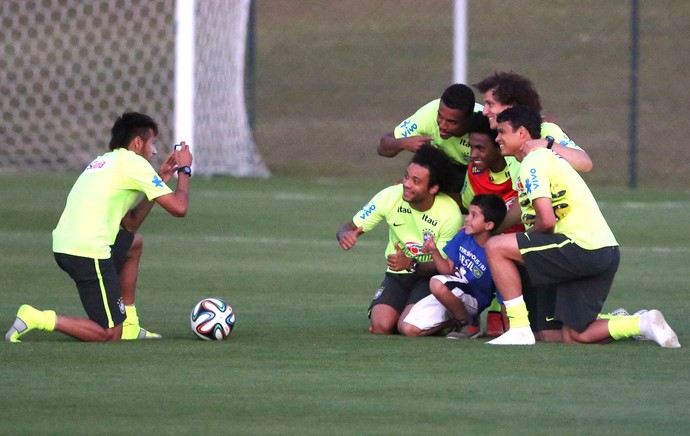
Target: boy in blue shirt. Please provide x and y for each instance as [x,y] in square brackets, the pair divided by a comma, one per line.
[464,287]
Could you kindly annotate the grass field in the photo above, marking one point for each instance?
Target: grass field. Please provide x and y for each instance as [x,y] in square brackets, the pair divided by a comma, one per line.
[300,360]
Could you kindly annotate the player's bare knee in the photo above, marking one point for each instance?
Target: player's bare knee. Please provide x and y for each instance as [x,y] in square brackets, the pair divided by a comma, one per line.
[572,336]
[137,246]
[492,247]
[492,244]
[407,329]
[437,287]
[379,328]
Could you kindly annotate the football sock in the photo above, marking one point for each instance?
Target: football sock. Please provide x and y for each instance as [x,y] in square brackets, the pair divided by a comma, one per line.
[516,309]
[29,318]
[132,316]
[132,330]
[621,327]
[50,319]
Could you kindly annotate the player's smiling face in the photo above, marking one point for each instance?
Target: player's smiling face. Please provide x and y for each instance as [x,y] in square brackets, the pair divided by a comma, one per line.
[492,107]
[451,122]
[416,190]
[484,153]
[509,139]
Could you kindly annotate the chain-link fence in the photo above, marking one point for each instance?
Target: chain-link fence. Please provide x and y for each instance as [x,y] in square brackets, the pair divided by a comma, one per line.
[69,67]
[332,77]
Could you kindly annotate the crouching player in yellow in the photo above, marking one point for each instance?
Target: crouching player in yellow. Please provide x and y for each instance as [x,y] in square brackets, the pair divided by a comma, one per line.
[85,243]
[413,210]
[568,244]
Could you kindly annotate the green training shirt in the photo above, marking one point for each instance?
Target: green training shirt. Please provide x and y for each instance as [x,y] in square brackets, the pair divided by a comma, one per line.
[424,122]
[100,198]
[544,174]
[408,226]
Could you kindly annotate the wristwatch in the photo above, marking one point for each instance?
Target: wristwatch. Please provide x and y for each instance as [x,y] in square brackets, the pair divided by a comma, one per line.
[413,268]
[185,169]
[549,142]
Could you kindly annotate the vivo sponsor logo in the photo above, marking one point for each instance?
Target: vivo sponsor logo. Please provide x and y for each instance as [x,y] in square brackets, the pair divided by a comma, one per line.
[368,210]
[534,181]
[408,127]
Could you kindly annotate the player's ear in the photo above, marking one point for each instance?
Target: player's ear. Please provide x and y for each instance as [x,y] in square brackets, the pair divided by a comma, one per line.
[489,226]
[524,133]
[434,189]
[136,144]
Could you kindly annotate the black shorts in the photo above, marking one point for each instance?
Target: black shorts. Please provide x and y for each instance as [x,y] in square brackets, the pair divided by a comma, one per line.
[540,302]
[401,290]
[119,249]
[98,284]
[580,278]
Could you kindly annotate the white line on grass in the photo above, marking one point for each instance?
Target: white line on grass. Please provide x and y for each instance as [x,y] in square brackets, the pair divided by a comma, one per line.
[283,196]
[282,241]
[663,250]
[8,236]
[645,204]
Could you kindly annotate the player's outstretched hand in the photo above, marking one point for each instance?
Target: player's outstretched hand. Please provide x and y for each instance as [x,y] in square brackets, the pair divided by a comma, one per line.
[348,239]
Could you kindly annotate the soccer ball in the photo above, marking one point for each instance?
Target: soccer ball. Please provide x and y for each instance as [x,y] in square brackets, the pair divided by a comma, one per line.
[212,319]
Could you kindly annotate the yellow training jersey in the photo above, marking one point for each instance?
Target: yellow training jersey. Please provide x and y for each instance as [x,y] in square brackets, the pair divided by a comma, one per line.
[547,129]
[408,226]
[423,122]
[100,198]
[544,174]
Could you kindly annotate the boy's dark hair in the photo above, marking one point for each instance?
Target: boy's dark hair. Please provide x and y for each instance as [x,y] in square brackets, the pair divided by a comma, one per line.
[522,116]
[438,163]
[460,97]
[511,89]
[129,126]
[492,206]
[479,123]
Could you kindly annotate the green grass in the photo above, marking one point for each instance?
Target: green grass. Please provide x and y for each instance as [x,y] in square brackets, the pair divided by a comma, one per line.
[300,360]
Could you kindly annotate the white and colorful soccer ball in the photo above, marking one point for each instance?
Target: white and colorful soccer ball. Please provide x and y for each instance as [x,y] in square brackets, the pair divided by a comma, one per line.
[212,319]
